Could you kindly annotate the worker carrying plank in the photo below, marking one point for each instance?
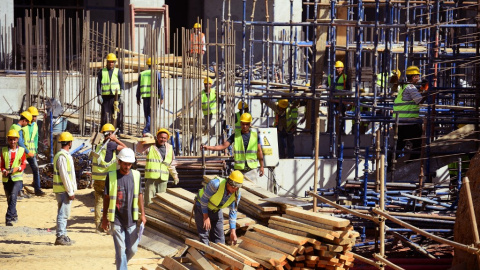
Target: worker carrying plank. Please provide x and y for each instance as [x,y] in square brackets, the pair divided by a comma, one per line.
[247,152]
[219,193]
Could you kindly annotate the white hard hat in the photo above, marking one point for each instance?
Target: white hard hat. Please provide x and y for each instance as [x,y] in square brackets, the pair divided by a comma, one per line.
[126,155]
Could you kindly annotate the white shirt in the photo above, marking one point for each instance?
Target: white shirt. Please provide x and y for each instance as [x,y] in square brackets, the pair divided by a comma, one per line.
[69,184]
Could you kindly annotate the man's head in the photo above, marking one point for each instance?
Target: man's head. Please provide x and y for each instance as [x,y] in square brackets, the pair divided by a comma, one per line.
[245,122]
[413,74]
[25,118]
[111,59]
[162,136]
[126,158]
[234,181]
[197,28]
[34,112]
[149,61]
[66,140]
[283,104]
[207,82]
[107,129]
[12,138]
[339,67]
[243,105]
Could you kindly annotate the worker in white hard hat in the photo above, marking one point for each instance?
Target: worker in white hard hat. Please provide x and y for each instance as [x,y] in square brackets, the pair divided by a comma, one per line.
[144,92]
[197,44]
[110,85]
[209,108]
[123,208]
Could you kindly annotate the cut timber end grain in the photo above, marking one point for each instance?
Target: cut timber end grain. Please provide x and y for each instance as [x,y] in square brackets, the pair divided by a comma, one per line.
[321,218]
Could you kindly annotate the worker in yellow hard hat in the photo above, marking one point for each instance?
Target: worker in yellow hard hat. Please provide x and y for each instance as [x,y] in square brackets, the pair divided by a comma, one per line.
[197,44]
[242,108]
[342,82]
[219,193]
[209,101]
[13,162]
[247,152]
[144,92]
[110,85]
[388,81]
[104,162]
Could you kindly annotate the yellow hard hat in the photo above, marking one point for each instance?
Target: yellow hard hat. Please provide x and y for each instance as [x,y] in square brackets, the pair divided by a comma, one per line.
[236,178]
[108,127]
[207,80]
[339,64]
[149,61]
[111,57]
[413,70]
[65,137]
[246,118]
[33,111]
[13,133]
[242,104]
[27,115]
[197,26]
[397,72]
[283,103]
[163,130]
[307,84]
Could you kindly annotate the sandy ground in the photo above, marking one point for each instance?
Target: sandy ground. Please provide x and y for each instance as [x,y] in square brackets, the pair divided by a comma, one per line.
[29,244]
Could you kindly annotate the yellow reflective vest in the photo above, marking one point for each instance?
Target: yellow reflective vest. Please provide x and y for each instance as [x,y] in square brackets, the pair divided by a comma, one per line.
[57,180]
[145,83]
[405,109]
[292,118]
[156,166]
[214,201]
[209,102]
[240,155]
[100,171]
[30,138]
[18,176]
[110,87]
[112,191]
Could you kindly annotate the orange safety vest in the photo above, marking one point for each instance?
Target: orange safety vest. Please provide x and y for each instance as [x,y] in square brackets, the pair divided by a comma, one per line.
[197,42]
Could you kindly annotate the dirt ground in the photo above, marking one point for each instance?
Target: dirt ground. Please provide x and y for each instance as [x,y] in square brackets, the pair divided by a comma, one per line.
[29,244]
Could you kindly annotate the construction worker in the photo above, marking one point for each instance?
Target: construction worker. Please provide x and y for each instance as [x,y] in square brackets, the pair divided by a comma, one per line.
[341,83]
[406,104]
[197,44]
[219,193]
[242,108]
[286,120]
[102,165]
[144,90]
[389,81]
[209,107]
[110,85]
[160,164]
[122,207]
[64,186]
[31,141]
[247,152]
[12,166]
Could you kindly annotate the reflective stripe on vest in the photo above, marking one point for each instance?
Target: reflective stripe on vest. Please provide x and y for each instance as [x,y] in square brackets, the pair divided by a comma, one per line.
[18,176]
[241,156]
[100,171]
[157,167]
[238,125]
[216,199]
[292,118]
[405,109]
[110,87]
[145,83]
[112,189]
[30,138]
[57,180]
[341,83]
[209,106]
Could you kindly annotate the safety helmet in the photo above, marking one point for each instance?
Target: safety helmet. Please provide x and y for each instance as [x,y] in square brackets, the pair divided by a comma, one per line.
[207,80]
[13,133]
[163,130]
[236,179]
[111,57]
[242,104]
[33,111]
[126,155]
[246,118]
[197,26]
[27,115]
[283,103]
[65,137]
[108,127]
[339,64]
[397,72]
[149,61]
[307,84]
[413,70]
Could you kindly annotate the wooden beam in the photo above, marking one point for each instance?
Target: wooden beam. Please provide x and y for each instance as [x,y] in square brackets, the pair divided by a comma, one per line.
[287,237]
[235,254]
[318,217]
[198,259]
[171,264]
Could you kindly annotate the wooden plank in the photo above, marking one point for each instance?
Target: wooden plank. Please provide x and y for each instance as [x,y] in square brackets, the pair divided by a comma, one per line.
[287,237]
[287,201]
[160,209]
[318,217]
[168,227]
[267,247]
[184,224]
[257,190]
[160,243]
[287,230]
[171,264]
[288,248]
[216,264]
[316,224]
[242,258]
[304,227]
[198,259]
[175,202]
[257,257]
[255,201]
[273,257]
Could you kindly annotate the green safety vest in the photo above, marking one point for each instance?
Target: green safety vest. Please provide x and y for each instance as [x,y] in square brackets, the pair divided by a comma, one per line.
[382,79]
[30,138]
[110,87]
[156,167]
[405,109]
[249,156]
[238,124]
[292,118]
[100,171]
[209,106]
[57,181]
[112,191]
[341,83]
[18,176]
[214,201]
[145,83]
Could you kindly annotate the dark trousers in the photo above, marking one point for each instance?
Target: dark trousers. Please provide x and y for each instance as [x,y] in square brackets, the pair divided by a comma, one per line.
[406,132]
[147,111]
[107,112]
[216,233]
[11,191]
[286,139]
[36,175]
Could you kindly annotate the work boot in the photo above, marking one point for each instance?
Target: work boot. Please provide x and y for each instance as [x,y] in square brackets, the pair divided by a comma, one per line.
[40,193]
[63,241]
[9,223]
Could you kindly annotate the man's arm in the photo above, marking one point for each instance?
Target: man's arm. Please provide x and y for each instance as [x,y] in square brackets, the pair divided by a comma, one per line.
[141,208]
[217,147]
[159,86]
[272,105]
[138,89]
[120,80]
[260,159]
[232,219]
[67,182]
[173,170]
[120,144]
[99,83]
[21,142]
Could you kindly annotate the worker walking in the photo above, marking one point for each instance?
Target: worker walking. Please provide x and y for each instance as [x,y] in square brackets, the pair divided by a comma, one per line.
[110,85]
[247,152]
[64,186]
[31,142]
[219,193]
[209,107]
[122,208]
[102,165]
[144,91]
[242,108]
[197,44]
[12,166]
[160,164]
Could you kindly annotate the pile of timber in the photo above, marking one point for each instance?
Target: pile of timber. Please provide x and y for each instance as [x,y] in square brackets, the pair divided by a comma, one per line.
[190,171]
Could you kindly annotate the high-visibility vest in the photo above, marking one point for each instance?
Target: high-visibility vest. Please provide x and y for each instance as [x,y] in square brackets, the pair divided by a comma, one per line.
[16,127]
[110,86]
[292,118]
[112,194]
[30,138]
[341,83]
[249,156]
[157,167]
[238,124]
[18,176]
[216,199]
[383,79]
[405,109]
[209,106]
[197,42]
[100,171]
[57,180]
[145,83]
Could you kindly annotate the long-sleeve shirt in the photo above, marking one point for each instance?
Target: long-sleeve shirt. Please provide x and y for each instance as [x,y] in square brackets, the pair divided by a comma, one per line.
[110,72]
[21,141]
[69,184]
[210,189]
[30,129]
[159,86]
[12,153]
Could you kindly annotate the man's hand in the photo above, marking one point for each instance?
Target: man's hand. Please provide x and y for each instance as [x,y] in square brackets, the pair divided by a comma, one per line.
[139,101]
[31,154]
[99,100]
[120,99]
[233,236]
[261,172]
[105,224]
[204,147]
[5,173]
[113,137]
[71,198]
[144,219]
[206,222]
[176,180]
